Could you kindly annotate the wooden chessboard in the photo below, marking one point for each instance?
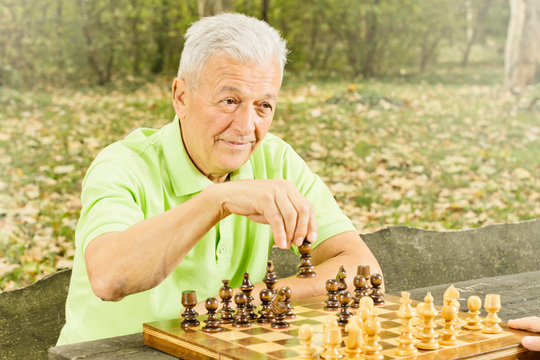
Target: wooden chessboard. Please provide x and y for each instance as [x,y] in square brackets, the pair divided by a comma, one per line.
[263,342]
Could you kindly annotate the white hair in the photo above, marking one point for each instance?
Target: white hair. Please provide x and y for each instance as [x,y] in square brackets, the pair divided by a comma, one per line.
[243,38]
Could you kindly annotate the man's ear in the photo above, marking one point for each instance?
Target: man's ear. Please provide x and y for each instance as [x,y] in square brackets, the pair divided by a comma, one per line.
[179,97]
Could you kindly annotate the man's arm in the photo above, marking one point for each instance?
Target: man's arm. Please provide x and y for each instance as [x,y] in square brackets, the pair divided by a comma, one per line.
[142,256]
[345,249]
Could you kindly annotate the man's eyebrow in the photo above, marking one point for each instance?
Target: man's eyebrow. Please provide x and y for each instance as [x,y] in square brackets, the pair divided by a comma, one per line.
[226,88]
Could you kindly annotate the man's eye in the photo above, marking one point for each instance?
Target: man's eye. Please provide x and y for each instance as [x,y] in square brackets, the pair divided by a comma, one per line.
[267,106]
[229,101]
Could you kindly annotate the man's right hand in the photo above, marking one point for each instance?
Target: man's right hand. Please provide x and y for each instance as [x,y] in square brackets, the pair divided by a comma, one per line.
[274,202]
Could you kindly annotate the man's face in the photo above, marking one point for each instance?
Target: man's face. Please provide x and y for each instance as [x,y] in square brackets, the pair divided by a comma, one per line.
[228,114]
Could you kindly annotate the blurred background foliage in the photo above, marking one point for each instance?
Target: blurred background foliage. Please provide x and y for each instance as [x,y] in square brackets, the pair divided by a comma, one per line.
[98,41]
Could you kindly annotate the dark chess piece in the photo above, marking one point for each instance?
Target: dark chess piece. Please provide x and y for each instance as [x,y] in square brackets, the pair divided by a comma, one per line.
[306,267]
[332,288]
[344,315]
[247,288]
[189,300]
[367,273]
[288,295]
[361,289]
[279,308]
[376,291]
[241,319]
[266,315]
[270,279]
[212,322]
[226,311]
[340,277]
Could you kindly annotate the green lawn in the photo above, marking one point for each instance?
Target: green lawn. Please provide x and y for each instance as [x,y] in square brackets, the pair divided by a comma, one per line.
[447,151]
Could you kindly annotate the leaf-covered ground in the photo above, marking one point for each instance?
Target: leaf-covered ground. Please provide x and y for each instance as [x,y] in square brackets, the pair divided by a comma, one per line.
[436,153]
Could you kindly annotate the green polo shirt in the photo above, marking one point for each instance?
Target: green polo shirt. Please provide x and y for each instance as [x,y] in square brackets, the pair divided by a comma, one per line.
[149,173]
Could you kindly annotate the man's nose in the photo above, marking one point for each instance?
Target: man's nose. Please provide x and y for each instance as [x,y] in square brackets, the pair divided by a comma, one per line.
[245,119]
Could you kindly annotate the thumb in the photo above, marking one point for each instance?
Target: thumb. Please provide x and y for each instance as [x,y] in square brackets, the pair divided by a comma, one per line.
[531,342]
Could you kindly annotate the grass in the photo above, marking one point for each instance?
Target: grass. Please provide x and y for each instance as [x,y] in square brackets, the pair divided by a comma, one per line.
[447,150]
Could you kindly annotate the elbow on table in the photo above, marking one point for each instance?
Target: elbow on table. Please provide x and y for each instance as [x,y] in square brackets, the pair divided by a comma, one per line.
[106,288]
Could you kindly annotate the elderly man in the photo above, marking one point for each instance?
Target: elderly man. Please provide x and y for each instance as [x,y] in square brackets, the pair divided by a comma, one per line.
[204,198]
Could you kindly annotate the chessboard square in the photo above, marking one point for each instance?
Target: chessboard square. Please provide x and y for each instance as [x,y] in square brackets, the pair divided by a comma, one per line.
[265,347]
[252,340]
[384,334]
[305,321]
[388,315]
[390,324]
[292,341]
[388,307]
[316,306]
[239,352]
[231,335]
[311,314]
[257,330]
[301,309]
[386,345]
[274,336]
[283,354]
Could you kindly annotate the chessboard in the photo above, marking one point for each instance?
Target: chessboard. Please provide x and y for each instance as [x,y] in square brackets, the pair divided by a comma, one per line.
[264,342]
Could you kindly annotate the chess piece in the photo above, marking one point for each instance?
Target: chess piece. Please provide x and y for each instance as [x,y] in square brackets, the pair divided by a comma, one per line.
[241,319]
[305,333]
[372,348]
[492,304]
[306,267]
[448,332]
[366,272]
[212,322]
[331,340]
[226,311]
[376,291]
[279,308]
[344,315]
[247,287]
[332,288]
[405,340]
[266,315]
[354,339]
[474,322]
[340,278]
[451,298]
[427,312]
[189,300]
[270,278]
[361,288]
[365,309]
[290,311]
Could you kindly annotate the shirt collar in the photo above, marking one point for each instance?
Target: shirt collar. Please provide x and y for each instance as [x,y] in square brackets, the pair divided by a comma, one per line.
[186,179]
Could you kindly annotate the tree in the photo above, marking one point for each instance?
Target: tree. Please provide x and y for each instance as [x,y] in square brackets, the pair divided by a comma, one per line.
[522,52]
[213,7]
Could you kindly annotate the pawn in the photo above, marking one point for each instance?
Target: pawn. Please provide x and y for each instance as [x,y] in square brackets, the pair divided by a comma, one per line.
[344,315]
[474,322]
[332,288]
[427,312]
[340,278]
[448,332]
[492,304]
[189,300]
[226,311]
[376,291]
[247,288]
[266,315]
[270,278]
[354,340]
[361,288]
[331,340]
[305,333]
[373,349]
[241,319]
[212,322]
[288,295]
[305,269]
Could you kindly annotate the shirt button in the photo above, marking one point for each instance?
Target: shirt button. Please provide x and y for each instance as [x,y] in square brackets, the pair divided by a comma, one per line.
[221,250]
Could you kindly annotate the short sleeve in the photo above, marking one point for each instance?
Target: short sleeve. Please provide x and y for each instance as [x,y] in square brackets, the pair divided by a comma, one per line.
[110,202]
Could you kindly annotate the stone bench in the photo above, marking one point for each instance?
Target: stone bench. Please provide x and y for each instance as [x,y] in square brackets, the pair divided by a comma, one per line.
[31,317]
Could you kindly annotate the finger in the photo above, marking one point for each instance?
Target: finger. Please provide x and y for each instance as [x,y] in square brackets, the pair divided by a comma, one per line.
[303,209]
[531,323]
[312,226]
[275,220]
[531,342]
[288,213]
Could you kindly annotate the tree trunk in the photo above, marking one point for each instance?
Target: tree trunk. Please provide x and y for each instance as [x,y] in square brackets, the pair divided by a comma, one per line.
[213,7]
[522,52]
[473,31]
[264,10]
